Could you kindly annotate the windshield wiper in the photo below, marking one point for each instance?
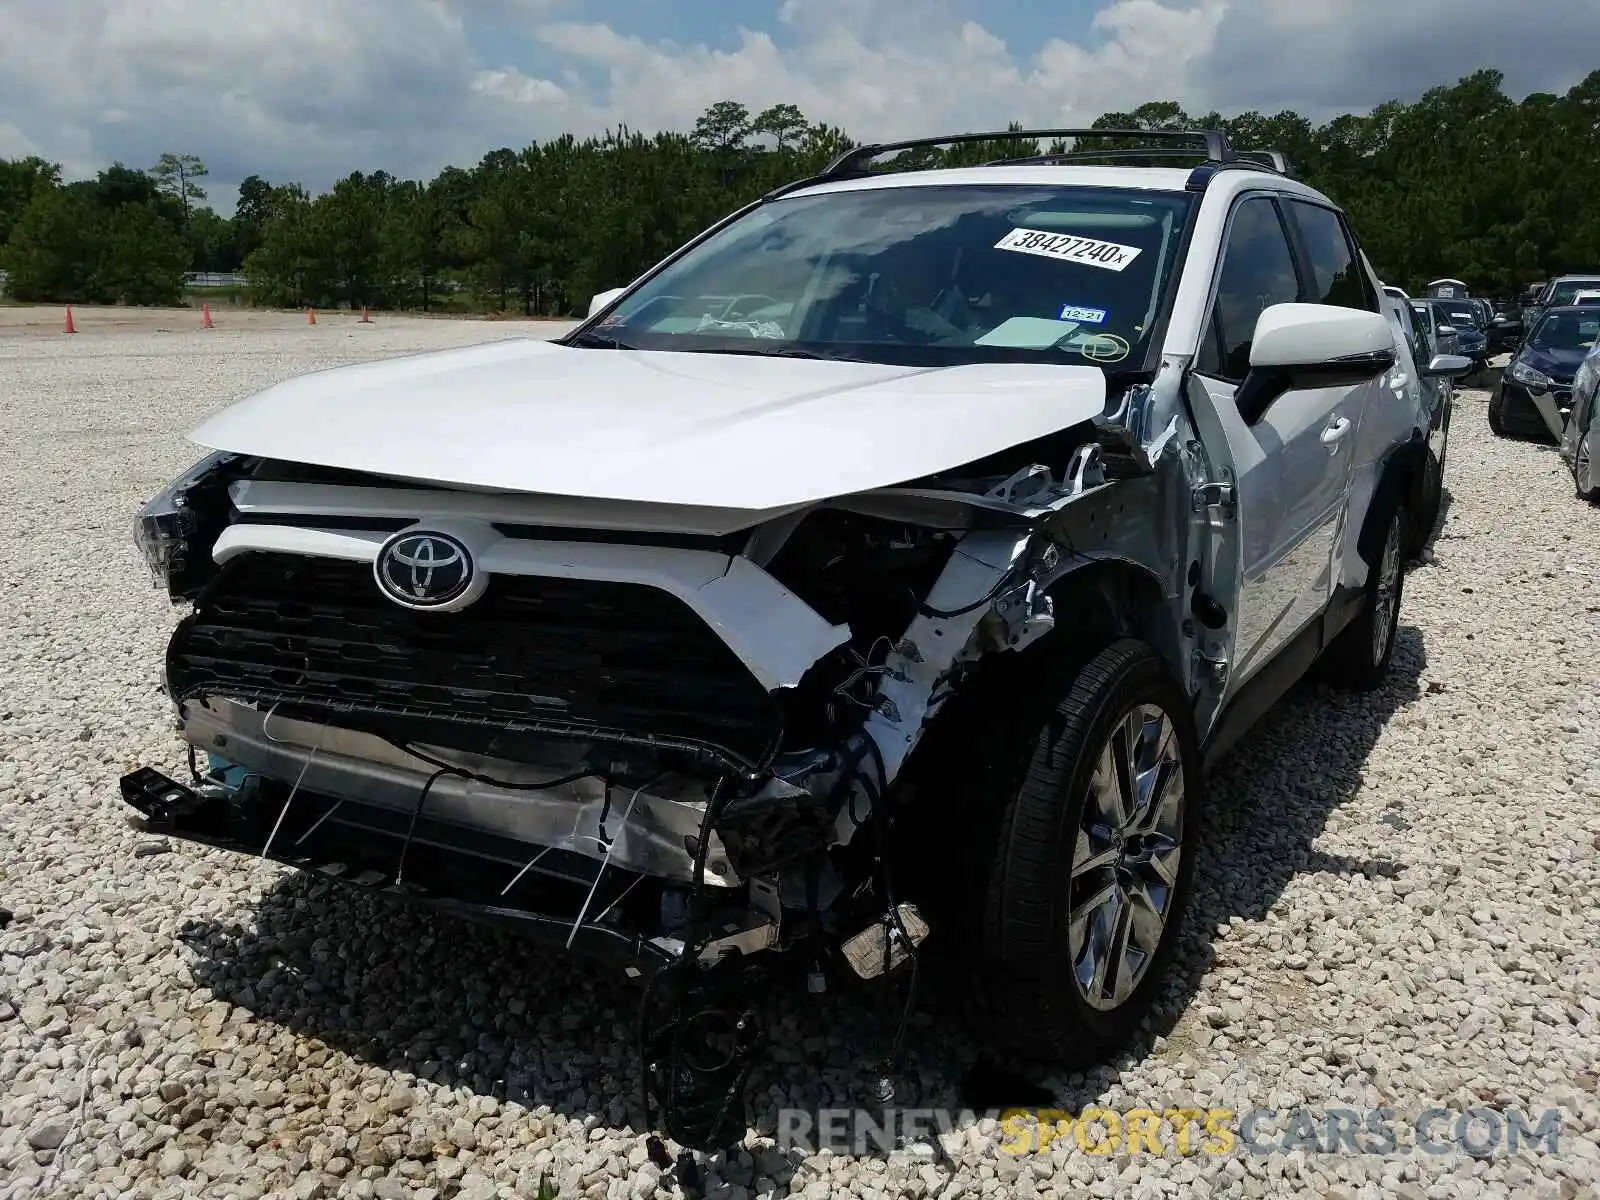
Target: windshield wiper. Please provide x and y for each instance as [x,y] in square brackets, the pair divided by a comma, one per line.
[779,352]
[596,341]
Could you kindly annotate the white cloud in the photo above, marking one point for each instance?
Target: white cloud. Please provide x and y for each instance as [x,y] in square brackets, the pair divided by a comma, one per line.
[514,87]
[888,68]
[311,89]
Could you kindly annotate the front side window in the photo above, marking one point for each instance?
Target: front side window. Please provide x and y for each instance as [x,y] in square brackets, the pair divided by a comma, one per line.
[936,275]
[1257,272]
[1337,276]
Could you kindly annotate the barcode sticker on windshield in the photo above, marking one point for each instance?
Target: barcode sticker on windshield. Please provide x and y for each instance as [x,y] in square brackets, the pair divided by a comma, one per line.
[1091,252]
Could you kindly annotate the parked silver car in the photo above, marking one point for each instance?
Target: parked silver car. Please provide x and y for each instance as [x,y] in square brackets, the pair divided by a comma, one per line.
[1580,441]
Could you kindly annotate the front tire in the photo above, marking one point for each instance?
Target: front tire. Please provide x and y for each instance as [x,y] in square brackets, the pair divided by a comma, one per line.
[1091,863]
[1359,658]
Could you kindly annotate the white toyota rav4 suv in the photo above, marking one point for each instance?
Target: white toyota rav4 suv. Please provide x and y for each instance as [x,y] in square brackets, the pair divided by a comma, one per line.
[875,575]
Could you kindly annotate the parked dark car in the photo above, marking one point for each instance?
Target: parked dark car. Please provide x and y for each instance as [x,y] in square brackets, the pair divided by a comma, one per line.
[1559,291]
[1535,392]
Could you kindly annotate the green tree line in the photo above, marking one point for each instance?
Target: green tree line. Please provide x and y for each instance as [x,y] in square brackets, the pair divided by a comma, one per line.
[1464,182]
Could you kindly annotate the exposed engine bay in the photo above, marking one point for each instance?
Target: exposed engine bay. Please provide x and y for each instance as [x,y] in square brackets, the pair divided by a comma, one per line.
[673,748]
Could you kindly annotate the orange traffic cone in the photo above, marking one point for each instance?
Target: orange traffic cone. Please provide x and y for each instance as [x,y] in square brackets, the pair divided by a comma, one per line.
[205,317]
[71,328]
[365,319]
[311,316]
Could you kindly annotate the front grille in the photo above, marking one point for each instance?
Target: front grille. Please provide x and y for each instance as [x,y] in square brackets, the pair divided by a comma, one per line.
[533,655]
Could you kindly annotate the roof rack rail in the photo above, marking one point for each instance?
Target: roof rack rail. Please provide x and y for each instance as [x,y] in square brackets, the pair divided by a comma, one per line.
[852,162]
[1276,159]
[1076,156]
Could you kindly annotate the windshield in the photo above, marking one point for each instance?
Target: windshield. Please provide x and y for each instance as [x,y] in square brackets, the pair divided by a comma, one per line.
[916,274]
[1566,331]
[1462,314]
[1563,292]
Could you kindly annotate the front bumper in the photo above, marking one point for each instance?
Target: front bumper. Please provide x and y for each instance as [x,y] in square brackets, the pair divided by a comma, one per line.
[1540,415]
[603,865]
[638,827]
[447,868]
[693,1080]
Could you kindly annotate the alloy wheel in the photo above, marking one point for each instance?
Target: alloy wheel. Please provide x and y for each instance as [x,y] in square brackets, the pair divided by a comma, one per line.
[1125,860]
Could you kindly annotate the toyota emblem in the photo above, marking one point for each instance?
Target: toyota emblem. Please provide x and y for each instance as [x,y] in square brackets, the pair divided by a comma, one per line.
[423,570]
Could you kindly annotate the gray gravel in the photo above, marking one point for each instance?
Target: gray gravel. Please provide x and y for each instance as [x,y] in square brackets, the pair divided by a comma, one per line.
[1397,902]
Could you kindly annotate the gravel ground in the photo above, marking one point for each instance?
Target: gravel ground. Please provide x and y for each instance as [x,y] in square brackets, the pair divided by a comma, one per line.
[1396,903]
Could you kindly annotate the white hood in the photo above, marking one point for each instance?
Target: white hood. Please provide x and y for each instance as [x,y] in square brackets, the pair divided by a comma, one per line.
[713,430]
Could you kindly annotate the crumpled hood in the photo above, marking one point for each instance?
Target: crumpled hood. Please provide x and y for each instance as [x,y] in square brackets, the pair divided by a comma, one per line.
[715,430]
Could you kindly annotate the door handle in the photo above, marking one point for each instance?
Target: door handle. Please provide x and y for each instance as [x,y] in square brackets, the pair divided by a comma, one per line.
[1336,431]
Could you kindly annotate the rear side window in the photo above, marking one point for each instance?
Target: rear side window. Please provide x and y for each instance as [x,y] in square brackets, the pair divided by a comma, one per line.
[1257,272]
[1336,274]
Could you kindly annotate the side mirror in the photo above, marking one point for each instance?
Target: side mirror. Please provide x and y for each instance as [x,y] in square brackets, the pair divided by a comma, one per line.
[1446,331]
[1450,366]
[602,299]
[1313,346]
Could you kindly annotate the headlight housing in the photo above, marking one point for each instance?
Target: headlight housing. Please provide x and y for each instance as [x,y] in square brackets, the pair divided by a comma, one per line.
[1538,381]
[175,529]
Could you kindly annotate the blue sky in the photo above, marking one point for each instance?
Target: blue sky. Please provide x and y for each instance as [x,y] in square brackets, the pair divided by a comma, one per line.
[1020,23]
[310,90]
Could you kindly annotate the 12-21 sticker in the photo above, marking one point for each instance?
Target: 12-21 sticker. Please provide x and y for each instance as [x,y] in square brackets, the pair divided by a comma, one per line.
[1067,247]
[1083,315]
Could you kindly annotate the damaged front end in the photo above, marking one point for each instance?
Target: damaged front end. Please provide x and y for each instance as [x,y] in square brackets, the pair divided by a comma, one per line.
[673,749]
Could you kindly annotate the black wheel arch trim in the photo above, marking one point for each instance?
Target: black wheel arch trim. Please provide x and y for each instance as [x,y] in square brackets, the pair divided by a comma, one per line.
[1402,467]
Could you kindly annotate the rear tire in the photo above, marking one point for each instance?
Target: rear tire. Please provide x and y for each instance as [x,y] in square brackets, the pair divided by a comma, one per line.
[1359,658]
[1580,467]
[1090,856]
